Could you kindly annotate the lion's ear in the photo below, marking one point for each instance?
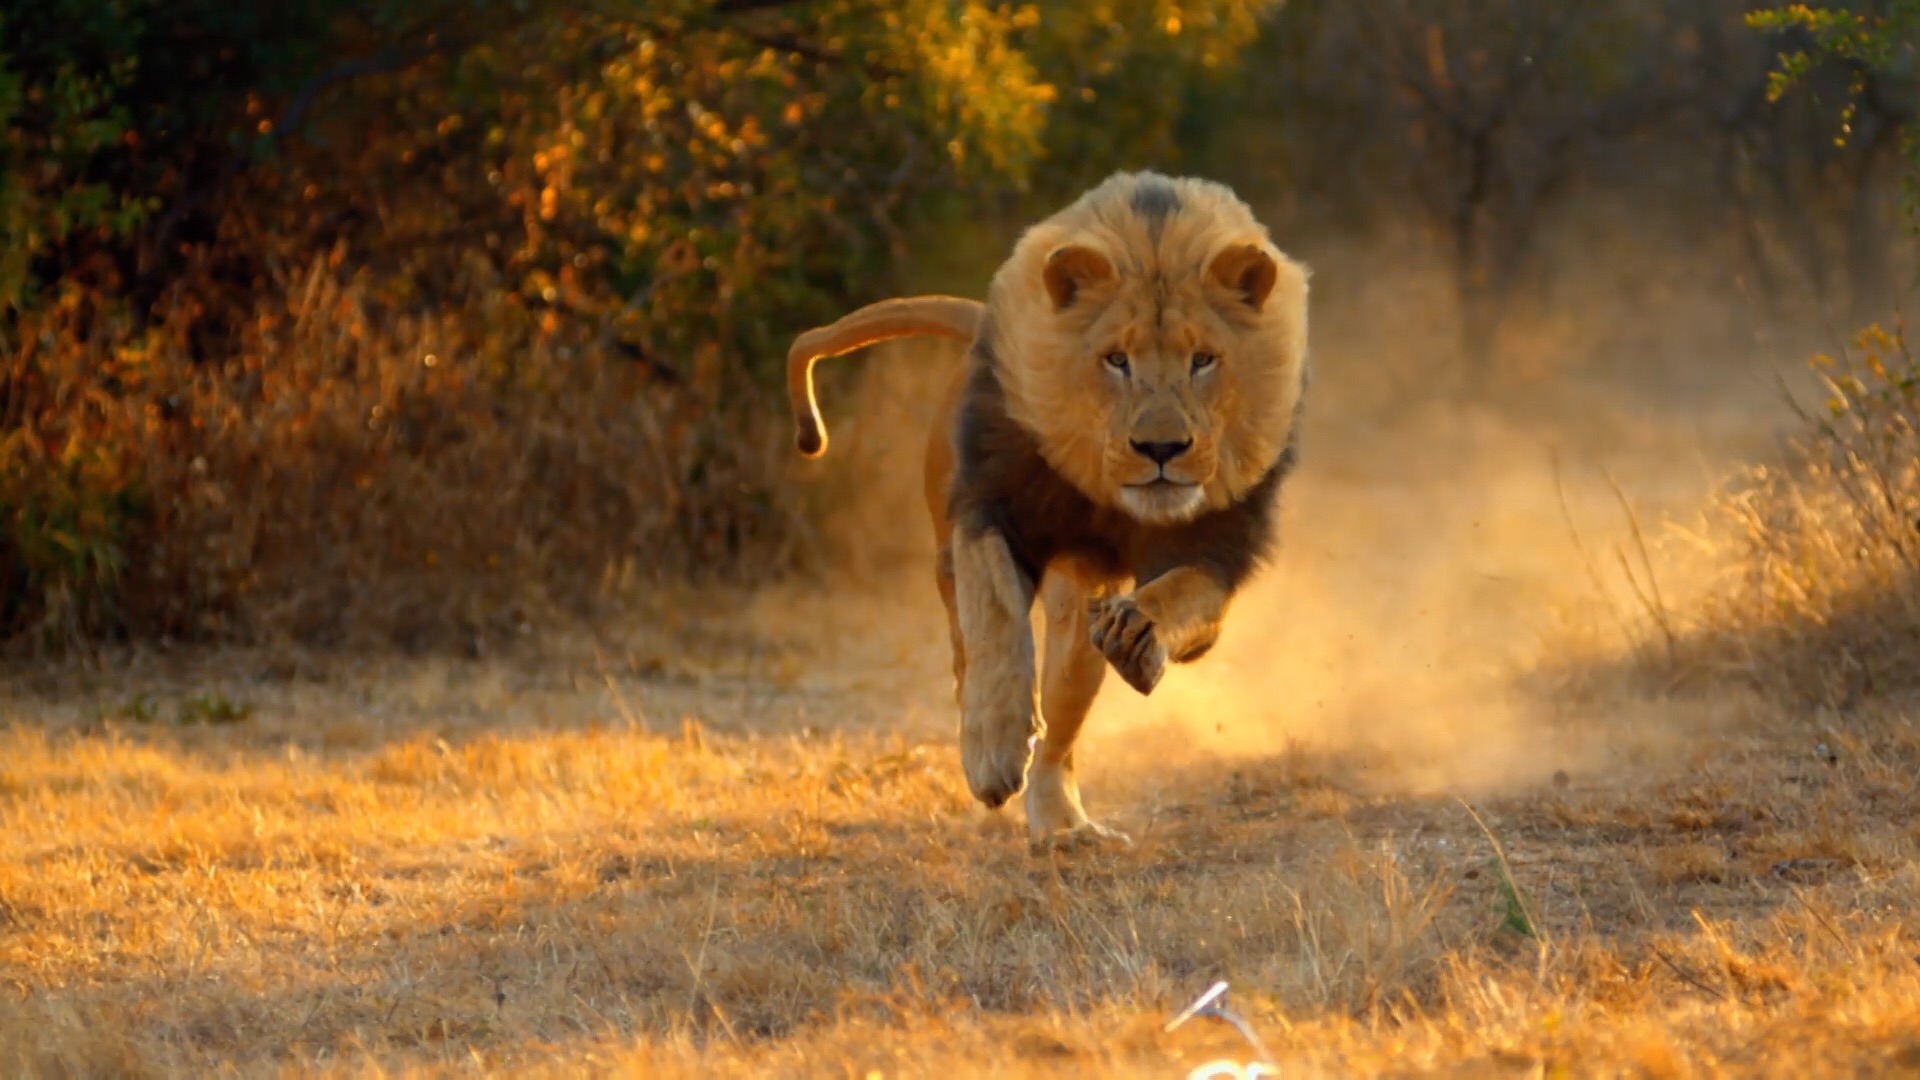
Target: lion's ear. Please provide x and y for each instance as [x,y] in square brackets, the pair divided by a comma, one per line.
[1248,270]
[1071,269]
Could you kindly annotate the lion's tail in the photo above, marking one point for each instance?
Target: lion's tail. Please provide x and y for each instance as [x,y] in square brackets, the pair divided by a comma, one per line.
[940,316]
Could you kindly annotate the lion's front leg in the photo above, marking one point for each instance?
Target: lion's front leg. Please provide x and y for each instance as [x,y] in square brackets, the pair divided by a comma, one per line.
[999,711]
[1069,683]
[1173,618]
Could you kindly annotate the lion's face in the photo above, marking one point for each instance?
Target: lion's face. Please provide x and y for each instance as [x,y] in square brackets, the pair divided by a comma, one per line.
[1159,367]
[1155,380]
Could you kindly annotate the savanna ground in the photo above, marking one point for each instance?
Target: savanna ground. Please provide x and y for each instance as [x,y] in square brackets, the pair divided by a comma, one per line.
[1430,807]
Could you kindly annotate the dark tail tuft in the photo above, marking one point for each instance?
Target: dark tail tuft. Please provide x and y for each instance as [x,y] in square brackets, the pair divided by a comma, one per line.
[808,440]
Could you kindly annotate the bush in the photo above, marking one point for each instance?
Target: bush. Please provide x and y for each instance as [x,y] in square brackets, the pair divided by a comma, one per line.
[1823,601]
[424,322]
[350,477]
[1820,599]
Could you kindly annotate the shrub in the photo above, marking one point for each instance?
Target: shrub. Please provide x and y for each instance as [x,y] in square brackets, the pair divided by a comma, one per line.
[348,476]
[1820,599]
[425,322]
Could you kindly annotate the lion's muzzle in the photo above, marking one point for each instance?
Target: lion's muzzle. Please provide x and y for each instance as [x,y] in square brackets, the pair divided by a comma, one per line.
[1160,453]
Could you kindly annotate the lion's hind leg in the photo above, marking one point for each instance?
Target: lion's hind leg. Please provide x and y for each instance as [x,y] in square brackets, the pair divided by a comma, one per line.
[949,599]
[1070,681]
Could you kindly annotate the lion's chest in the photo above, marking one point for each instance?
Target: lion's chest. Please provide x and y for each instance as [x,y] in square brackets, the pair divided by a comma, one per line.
[1003,484]
[1047,527]
[1047,523]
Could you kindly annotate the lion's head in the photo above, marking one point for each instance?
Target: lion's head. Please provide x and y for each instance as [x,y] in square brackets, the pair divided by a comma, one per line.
[1154,340]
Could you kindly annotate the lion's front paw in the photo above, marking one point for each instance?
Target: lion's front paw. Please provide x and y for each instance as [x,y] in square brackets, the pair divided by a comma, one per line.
[994,751]
[1055,819]
[1124,635]
[1086,836]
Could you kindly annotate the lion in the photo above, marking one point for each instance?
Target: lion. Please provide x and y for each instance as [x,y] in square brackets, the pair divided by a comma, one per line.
[1113,446]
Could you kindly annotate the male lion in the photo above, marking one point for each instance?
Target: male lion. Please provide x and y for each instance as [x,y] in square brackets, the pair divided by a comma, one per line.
[1124,421]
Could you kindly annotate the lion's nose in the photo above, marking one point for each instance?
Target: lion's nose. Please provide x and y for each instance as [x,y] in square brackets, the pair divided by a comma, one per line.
[1162,452]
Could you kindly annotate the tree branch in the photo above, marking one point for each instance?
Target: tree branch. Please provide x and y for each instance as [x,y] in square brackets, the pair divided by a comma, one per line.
[745,7]
[432,37]
[387,61]
[788,43]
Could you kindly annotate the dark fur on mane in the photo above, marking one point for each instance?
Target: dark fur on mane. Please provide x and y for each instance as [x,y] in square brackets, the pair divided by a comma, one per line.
[1004,485]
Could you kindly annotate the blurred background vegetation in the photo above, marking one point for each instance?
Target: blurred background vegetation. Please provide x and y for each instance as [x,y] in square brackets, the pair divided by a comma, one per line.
[425,323]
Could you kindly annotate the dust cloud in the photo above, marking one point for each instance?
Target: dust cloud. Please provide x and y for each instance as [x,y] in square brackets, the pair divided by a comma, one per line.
[1428,563]
[1424,570]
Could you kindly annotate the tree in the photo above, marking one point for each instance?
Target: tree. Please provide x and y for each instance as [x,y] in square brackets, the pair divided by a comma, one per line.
[559,234]
[694,147]
[1480,111]
[1870,52]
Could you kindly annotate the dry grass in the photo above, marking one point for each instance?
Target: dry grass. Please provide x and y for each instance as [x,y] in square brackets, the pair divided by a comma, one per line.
[447,868]
[473,473]
[1811,582]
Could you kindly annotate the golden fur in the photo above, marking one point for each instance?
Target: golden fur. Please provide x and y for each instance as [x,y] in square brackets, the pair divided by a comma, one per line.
[1124,419]
[1239,417]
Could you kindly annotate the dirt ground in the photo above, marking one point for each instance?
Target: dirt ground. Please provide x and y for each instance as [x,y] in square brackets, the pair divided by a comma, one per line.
[1395,811]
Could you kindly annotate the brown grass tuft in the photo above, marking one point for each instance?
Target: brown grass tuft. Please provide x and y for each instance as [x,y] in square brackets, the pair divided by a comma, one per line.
[1819,591]
[354,474]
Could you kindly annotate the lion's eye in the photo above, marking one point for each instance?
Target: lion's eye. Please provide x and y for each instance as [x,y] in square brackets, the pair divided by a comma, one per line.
[1204,360]
[1116,360]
